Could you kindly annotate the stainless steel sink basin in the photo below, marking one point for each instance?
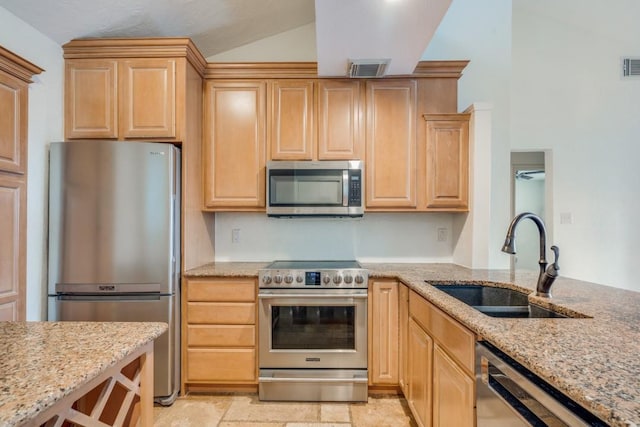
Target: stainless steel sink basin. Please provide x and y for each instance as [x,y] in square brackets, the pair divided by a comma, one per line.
[496,302]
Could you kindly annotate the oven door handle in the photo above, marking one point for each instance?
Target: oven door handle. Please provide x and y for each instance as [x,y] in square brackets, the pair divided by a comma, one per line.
[319,295]
[354,379]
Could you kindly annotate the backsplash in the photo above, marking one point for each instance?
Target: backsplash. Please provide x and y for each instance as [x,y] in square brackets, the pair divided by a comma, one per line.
[378,237]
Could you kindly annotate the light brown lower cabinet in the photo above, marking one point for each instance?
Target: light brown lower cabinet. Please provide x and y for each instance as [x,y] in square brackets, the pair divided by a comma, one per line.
[219,334]
[419,367]
[383,333]
[440,367]
[453,392]
[403,336]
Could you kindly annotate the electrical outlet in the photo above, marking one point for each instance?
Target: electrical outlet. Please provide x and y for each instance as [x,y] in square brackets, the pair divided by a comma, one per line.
[235,235]
[442,234]
[566,218]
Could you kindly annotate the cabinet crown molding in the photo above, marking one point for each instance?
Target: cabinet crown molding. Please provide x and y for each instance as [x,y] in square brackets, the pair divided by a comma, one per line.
[17,66]
[152,47]
[260,70]
[452,69]
[266,70]
[447,116]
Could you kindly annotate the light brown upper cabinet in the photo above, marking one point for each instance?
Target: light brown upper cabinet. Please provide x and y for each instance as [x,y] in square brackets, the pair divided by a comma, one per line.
[15,76]
[13,127]
[130,88]
[291,120]
[234,147]
[317,119]
[91,98]
[447,162]
[340,134]
[391,144]
[148,98]
[297,116]
[120,99]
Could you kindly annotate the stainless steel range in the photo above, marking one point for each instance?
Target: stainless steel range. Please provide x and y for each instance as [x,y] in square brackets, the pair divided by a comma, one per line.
[313,331]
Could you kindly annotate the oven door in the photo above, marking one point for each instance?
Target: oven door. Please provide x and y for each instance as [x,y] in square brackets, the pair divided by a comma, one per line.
[313,328]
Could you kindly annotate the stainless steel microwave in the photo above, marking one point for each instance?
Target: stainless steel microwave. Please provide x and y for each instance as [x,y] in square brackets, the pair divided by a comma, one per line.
[319,188]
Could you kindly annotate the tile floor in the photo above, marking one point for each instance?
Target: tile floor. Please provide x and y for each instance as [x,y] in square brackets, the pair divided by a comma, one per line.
[202,410]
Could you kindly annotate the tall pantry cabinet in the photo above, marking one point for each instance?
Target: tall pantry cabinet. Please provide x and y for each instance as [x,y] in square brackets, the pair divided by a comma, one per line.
[15,76]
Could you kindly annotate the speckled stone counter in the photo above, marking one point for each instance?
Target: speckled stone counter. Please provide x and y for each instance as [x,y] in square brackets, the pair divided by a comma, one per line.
[594,359]
[43,362]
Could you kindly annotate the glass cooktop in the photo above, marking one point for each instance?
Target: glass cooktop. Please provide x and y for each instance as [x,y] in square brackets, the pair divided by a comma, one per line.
[313,265]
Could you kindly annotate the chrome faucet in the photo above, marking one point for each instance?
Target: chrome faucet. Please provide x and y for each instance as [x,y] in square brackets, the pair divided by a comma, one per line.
[547,275]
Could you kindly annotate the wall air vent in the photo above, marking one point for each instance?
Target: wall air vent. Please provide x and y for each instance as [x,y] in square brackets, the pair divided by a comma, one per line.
[362,68]
[631,67]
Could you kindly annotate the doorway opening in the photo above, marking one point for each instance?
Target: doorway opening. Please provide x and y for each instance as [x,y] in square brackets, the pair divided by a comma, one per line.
[528,194]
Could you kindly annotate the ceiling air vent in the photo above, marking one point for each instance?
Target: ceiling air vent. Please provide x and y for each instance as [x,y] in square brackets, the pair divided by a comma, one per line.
[631,67]
[360,68]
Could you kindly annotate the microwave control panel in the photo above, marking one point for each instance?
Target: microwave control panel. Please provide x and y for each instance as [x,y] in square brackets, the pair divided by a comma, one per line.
[355,187]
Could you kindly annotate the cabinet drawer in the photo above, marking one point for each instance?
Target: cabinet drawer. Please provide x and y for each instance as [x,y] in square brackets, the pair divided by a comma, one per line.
[221,335]
[458,341]
[213,365]
[221,290]
[226,313]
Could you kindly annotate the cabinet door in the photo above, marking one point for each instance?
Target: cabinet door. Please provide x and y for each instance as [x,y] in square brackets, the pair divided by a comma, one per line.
[419,373]
[13,124]
[453,393]
[391,144]
[292,120]
[13,201]
[403,336]
[148,98]
[91,98]
[234,145]
[340,135]
[384,332]
[447,177]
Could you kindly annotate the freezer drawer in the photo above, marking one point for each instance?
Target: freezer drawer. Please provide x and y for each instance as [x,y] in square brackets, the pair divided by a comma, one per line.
[133,309]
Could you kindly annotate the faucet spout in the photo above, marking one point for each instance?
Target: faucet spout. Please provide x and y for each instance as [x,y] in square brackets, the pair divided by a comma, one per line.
[546,275]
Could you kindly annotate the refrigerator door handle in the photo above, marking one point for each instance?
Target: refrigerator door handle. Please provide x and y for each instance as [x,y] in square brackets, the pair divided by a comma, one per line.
[107,288]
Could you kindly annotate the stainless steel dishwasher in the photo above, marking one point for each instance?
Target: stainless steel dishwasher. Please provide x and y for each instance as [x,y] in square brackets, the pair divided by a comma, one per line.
[509,395]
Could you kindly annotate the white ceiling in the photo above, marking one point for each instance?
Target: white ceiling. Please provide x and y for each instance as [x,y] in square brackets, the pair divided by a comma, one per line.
[357,29]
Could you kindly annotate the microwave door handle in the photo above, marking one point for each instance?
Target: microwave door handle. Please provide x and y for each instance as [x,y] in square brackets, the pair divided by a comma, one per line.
[345,187]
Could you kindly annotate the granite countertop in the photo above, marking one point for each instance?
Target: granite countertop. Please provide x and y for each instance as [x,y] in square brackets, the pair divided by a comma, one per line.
[42,362]
[594,359]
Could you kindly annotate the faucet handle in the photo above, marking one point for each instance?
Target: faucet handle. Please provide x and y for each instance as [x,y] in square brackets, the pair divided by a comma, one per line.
[553,268]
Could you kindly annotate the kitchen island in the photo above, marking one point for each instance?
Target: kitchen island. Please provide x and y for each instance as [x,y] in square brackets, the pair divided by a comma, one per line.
[50,371]
[592,358]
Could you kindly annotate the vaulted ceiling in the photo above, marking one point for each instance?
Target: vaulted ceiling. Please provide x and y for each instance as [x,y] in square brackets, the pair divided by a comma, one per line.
[357,29]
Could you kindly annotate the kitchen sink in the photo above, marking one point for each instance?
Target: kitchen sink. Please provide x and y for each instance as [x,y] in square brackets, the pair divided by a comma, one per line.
[496,302]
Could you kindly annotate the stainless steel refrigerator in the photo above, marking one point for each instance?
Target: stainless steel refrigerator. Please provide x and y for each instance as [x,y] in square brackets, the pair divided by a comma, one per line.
[114,241]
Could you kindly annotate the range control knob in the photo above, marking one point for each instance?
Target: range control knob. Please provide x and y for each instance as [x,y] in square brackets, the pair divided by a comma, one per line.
[300,279]
[277,278]
[348,279]
[326,280]
[266,279]
[288,279]
[359,279]
[337,279]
